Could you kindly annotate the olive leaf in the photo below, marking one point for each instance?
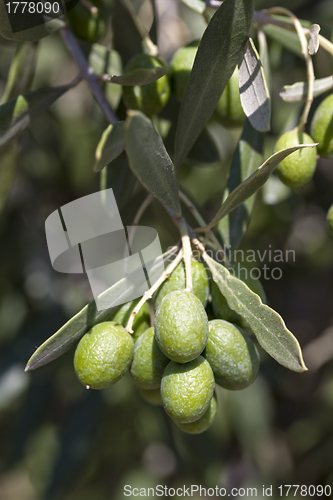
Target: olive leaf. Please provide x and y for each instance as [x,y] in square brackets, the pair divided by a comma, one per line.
[150,161]
[21,72]
[298,91]
[141,76]
[247,158]
[197,5]
[253,183]
[118,176]
[267,325]
[219,51]
[78,325]
[17,114]
[264,57]
[254,93]
[104,61]
[288,39]
[111,145]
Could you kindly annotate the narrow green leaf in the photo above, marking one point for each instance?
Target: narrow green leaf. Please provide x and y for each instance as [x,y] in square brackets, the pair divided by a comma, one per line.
[17,114]
[111,145]
[254,93]
[253,183]
[118,176]
[104,61]
[247,158]
[269,328]
[219,51]
[287,39]
[264,57]
[298,91]
[21,72]
[140,76]
[197,5]
[150,161]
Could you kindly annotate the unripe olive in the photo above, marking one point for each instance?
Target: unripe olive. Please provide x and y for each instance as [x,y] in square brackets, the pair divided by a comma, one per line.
[232,355]
[187,389]
[150,98]
[181,67]
[322,127]
[177,281]
[204,422]
[229,108]
[148,362]
[297,169]
[181,326]
[103,355]
[86,25]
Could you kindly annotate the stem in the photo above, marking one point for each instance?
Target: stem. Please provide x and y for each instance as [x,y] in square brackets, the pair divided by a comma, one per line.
[87,5]
[309,66]
[150,46]
[187,251]
[156,285]
[87,73]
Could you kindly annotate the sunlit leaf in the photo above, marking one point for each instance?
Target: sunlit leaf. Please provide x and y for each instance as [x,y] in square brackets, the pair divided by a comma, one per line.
[17,114]
[298,91]
[254,94]
[253,183]
[197,5]
[247,158]
[150,161]
[111,145]
[269,328]
[219,51]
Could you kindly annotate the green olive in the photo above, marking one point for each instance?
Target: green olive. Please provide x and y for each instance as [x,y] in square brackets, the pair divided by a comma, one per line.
[297,169]
[141,321]
[229,109]
[181,67]
[204,422]
[86,25]
[322,127]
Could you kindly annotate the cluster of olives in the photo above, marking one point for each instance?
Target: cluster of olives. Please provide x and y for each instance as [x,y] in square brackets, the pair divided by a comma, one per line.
[176,362]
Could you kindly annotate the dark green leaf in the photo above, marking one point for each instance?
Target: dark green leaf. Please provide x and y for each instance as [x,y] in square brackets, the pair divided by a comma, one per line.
[253,183]
[111,145]
[218,53]
[197,5]
[140,76]
[247,158]
[118,176]
[254,94]
[17,114]
[269,328]
[298,91]
[21,72]
[150,161]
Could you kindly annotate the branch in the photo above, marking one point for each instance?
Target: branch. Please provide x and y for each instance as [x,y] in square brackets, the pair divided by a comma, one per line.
[87,73]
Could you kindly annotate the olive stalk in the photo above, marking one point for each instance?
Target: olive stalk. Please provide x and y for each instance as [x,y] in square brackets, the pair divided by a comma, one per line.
[308,60]
[151,48]
[187,251]
[148,295]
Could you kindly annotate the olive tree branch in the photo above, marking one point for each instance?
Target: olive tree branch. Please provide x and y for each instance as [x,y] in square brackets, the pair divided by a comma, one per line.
[87,73]
[187,252]
[156,285]
[308,60]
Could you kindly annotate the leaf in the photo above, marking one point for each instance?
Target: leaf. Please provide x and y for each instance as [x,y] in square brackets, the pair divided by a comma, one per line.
[288,39]
[197,5]
[264,57]
[111,145]
[254,93]
[141,76]
[247,158]
[21,72]
[85,319]
[314,39]
[298,91]
[253,183]
[219,51]
[104,61]
[150,161]
[17,114]
[268,327]
[118,176]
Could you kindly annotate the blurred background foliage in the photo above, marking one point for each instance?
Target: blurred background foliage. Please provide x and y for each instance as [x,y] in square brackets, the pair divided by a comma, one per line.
[58,440]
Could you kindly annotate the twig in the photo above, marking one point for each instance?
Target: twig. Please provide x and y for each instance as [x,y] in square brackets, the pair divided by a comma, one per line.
[87,5]
[187,252]
[151,47]
[156,285]
[87,73]
[309,66]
